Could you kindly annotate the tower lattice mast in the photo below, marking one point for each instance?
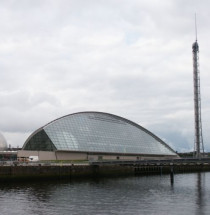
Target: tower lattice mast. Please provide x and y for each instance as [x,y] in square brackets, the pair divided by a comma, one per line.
[197,99]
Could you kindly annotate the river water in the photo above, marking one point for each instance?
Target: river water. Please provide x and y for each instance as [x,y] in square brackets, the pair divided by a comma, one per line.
[189,194]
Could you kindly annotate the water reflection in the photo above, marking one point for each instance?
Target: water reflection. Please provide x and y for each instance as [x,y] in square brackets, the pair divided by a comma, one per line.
[200,192]
[129,195]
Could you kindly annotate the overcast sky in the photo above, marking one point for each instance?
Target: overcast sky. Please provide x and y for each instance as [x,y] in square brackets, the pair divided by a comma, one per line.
[132,58]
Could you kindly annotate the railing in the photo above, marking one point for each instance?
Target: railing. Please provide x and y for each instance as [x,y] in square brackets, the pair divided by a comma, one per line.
[183,161]
[153,162]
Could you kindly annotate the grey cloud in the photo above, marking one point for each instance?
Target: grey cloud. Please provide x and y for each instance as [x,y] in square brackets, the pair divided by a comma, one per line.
[129,58]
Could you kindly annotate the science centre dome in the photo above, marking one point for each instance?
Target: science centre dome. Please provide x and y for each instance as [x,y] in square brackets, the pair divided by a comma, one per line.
[3,143]
[97,132]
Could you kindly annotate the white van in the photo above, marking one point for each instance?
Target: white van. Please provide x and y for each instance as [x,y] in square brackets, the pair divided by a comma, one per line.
[33,158]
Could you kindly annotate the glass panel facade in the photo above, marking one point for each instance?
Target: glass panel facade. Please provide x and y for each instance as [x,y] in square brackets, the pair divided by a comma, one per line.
[101,132]
[40,142]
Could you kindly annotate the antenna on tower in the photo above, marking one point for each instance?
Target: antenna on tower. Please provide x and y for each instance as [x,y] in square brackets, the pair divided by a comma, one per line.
[195,28]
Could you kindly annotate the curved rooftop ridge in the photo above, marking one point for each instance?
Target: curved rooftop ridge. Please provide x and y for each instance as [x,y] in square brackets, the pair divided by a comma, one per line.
[106,114]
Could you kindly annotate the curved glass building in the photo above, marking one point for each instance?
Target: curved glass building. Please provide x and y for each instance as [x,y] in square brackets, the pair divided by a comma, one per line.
[95,135]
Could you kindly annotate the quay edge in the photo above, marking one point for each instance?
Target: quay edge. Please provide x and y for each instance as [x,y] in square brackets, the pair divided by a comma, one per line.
[39,171]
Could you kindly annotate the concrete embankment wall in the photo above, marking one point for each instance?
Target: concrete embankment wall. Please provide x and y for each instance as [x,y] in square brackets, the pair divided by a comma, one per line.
[74,171]
[170,168]
[56,171]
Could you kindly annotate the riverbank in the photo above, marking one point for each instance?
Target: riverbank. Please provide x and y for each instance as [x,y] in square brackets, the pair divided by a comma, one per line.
[38,171]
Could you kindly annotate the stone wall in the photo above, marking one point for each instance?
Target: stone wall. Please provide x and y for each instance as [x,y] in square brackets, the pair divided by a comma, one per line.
[40,171]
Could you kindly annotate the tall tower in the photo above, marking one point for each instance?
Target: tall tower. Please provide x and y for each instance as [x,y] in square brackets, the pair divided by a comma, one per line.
[197,99]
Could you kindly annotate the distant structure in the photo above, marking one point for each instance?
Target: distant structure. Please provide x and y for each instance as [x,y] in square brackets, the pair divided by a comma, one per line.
[94,136]
[3,143]
[198,144]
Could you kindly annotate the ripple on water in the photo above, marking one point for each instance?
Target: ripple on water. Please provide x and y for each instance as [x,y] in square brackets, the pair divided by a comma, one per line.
[189,194]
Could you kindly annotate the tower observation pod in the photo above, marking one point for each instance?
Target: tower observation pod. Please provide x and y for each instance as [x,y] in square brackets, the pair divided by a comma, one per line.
[198,141]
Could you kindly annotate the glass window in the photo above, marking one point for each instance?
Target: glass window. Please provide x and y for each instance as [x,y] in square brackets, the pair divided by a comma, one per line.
[40,142]
[99,132]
